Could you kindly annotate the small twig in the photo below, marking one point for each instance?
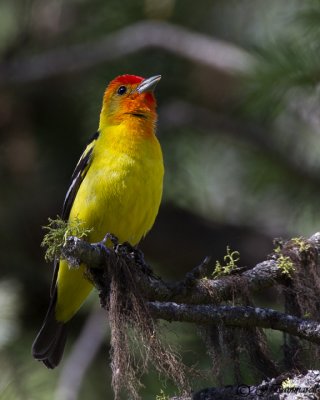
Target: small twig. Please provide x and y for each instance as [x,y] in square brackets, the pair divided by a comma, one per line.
[198,272]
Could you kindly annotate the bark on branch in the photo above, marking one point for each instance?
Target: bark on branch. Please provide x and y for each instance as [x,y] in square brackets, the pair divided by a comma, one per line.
[286,387]
[189,291]
[189,299]
[237,316]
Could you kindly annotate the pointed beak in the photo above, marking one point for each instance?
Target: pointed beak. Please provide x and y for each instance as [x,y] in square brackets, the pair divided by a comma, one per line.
[148,85]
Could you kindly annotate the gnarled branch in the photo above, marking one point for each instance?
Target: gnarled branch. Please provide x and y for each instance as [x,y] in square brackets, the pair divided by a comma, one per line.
[237,316]
[197,298]
[189,299]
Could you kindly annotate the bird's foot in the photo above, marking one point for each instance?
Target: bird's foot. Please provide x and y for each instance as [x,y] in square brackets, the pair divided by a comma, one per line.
[113,239]
[134,254]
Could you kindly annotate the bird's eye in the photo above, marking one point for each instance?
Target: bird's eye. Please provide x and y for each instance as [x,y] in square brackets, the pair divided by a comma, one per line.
[122,90]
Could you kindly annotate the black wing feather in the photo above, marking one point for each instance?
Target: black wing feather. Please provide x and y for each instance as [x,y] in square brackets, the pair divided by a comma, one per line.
[77,177]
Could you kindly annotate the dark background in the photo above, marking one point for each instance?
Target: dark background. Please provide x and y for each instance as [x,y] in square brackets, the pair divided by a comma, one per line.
[239,126]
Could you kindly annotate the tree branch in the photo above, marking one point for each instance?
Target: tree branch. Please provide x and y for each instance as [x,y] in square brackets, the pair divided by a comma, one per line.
[123,279]
[237,316]
[194,293]
[193,46]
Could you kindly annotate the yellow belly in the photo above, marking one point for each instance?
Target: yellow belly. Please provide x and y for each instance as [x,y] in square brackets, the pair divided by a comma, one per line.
[120,194]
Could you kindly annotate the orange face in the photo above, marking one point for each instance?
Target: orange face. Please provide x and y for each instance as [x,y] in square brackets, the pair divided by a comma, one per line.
[129,96]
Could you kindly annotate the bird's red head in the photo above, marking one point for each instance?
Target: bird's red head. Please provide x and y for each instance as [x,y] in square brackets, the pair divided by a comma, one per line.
[129,96]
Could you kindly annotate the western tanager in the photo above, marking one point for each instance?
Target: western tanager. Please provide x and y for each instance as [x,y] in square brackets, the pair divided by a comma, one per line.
[116,187]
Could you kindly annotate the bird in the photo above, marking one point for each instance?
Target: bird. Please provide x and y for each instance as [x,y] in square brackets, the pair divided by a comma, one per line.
[116,187]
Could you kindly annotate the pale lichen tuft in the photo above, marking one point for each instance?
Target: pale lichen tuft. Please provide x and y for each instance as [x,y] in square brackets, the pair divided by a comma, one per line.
[229,266]
[58,231]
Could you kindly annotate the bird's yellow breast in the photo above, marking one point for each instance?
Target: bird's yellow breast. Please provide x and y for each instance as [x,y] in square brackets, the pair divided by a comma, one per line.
[122,190]
[120,194]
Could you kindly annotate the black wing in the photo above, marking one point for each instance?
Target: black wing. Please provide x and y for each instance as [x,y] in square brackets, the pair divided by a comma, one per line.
[78,175]
[76,179]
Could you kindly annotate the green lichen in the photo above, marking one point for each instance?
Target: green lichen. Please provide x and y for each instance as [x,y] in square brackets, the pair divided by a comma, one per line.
[288,384]
[285,264]
[284,261]
[229,266]
[277,250]
[302,244]
[58,231]
[162,396]
[307,314]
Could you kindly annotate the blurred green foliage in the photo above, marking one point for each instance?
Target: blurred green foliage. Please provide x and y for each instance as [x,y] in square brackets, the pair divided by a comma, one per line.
[244,156]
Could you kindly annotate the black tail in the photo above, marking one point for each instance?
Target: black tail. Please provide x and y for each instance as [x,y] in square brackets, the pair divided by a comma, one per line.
[49,344]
